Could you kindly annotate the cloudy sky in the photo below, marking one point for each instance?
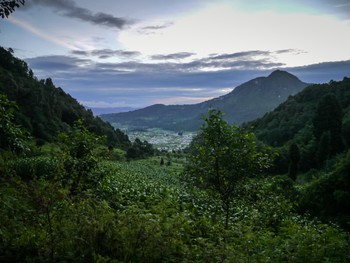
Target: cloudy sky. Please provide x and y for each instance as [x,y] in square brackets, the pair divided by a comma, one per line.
[117,53]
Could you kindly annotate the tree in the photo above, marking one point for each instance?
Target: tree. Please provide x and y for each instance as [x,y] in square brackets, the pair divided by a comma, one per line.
[12,136]
[140,149]
[8,6]
[226,156]
[294,157]
[324,148]
[328,118]
[79,158]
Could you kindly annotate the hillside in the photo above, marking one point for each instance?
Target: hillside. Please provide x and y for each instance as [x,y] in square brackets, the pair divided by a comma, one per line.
[293,122]
[45,110]
[294,117]
[246,102]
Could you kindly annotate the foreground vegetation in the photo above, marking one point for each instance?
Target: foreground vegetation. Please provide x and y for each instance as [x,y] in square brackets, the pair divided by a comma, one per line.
[74,203]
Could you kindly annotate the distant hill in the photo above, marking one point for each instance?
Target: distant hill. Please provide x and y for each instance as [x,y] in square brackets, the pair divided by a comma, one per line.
[46,110]
[245,103]
[107,110]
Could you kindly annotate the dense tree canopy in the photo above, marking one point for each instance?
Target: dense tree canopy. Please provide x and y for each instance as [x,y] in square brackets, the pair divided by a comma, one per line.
[328,118]
[12,136]
[44,109]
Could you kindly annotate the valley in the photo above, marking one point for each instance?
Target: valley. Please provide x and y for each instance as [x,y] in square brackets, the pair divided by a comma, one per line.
[159,138]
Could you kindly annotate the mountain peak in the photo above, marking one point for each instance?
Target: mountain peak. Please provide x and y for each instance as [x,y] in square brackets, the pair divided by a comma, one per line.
[281,74]
[246,102]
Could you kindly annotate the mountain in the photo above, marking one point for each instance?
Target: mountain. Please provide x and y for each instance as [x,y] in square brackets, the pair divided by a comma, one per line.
[293,119]
[245,103]
[106,110]
[45,110]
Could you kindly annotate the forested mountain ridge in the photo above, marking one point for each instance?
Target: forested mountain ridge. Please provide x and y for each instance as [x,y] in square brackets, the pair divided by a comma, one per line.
[295,116]
[45,110]
[297,121]
[245,103]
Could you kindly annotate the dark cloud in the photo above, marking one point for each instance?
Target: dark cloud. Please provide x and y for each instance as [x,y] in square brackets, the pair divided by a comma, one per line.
[236,61]
[290,51]
[240,55]
[154,28]
[180,55]
[80,52]
[56,63]
[141,84]
[70,9]
[107,53]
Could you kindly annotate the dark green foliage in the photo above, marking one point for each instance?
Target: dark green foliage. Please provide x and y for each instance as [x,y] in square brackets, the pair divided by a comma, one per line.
[304,117]
[294,158]
[140,150]
[228,155]
[43,167]
[12,136]
[324,148]
[147,216]
[45,110]
[328,118]
[8,6]
[328,197]
[79,159]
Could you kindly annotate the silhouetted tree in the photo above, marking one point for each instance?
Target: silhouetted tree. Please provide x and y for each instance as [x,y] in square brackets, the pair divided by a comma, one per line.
[8,6]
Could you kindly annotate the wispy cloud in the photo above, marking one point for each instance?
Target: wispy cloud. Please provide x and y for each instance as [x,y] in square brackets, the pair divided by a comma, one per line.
[240,55]
[107,53]
[70,9]
[39,33]
[290,51]
[147,30]
[180,55]
[250,60]
[58,63]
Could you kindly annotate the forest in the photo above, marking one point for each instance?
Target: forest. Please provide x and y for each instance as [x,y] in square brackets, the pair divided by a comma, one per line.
[74,189]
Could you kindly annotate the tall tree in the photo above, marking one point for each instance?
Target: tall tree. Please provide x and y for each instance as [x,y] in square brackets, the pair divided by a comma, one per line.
[8,6]
[328,118]
[227,155]
[12,136]
[79,158]
[324,148]
[294,158]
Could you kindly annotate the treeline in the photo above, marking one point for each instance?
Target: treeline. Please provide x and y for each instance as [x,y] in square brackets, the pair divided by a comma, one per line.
[317,120]
[45,110]
[311,133]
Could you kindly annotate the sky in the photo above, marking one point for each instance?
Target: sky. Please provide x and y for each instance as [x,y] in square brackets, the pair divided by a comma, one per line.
[135,53]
